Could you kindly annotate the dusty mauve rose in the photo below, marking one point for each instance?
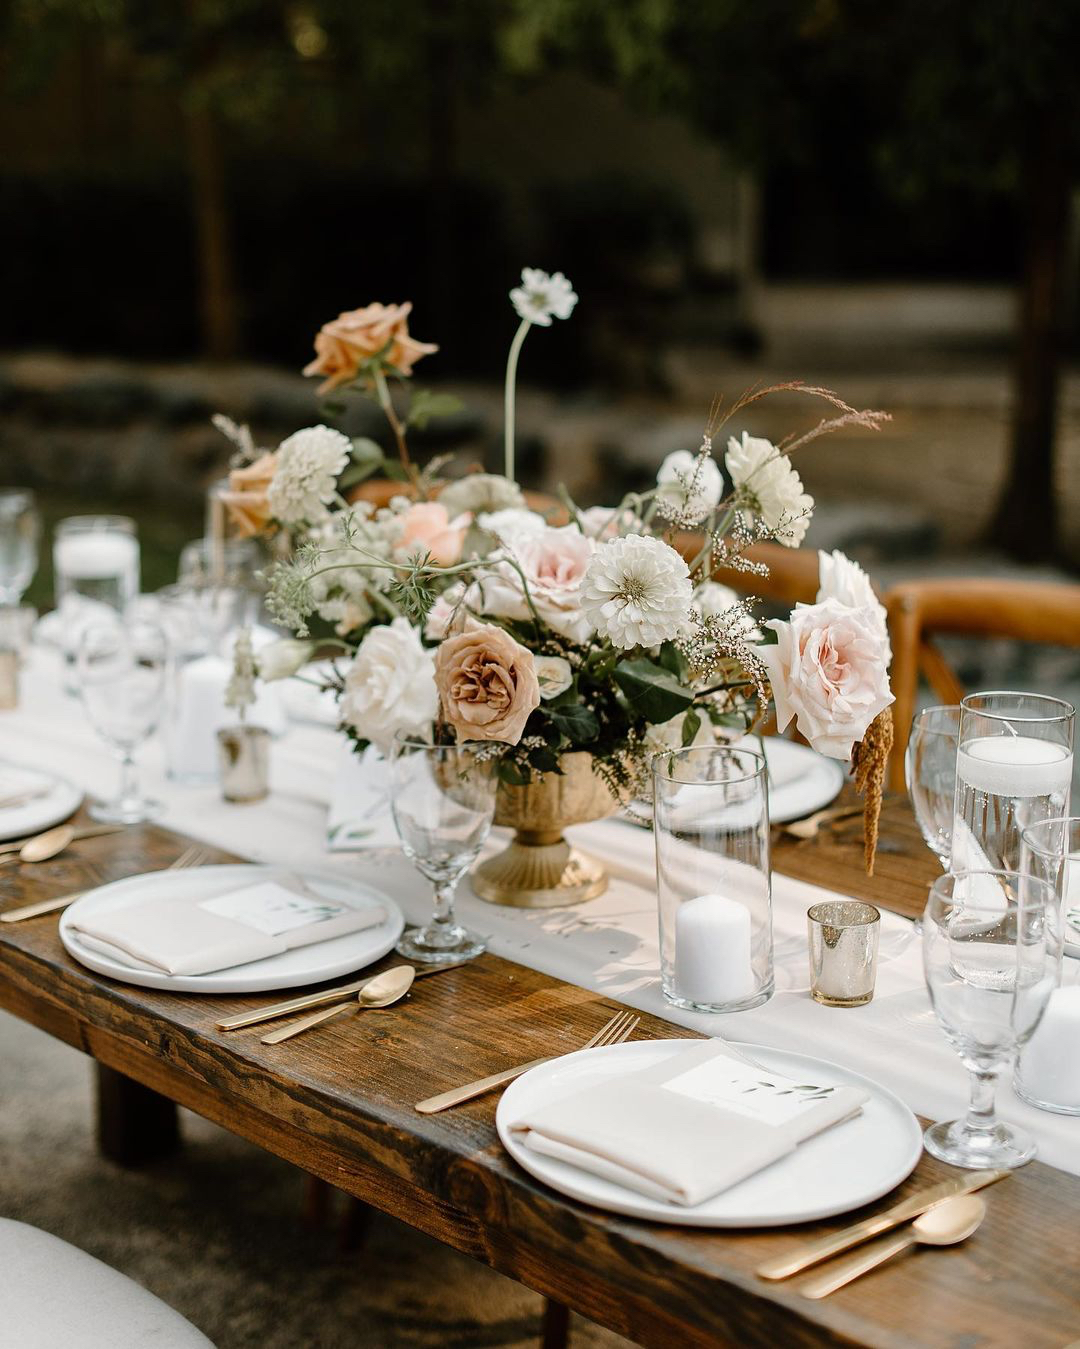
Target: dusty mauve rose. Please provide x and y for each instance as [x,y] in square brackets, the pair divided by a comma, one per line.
[829,670]
[343,343]
[426,527]
[487,684]
[248,498]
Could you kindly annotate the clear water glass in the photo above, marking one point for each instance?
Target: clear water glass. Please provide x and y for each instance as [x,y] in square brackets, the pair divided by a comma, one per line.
[711,829]
[930,771]
[991,946]
[1013,769]
[122,673]
[1047,1072]
[20,530]
[443,802]
[95,569]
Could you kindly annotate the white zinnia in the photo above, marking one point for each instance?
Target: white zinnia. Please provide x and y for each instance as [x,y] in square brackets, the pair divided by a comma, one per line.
[637,592]
[305,476]
[691,485]
[540,296]
[481,492]
[390,685]
[770,486]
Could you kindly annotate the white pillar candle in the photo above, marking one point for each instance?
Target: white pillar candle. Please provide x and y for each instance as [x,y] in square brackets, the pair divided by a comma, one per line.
[713,942]
[1014,765]
[1050,1061]
[198,712]
[95,554]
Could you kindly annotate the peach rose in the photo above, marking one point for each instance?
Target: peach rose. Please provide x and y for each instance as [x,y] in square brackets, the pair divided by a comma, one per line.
[355,336]
[248,498]
[487,684]
[426,527]
[829,670]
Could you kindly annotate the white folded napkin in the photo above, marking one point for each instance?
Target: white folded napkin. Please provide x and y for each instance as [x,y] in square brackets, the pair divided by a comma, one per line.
[687,1128]
[184,936]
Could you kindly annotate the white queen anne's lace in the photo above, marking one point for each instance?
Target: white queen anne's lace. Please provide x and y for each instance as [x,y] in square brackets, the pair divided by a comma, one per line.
[637,592]
[306,473]
[540,296]
[770,486]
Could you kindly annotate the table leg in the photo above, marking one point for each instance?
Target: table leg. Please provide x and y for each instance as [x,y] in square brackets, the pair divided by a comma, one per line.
[134,1124]
[555,1327]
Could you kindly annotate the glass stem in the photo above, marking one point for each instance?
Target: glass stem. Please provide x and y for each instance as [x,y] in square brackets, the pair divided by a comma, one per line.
[981,1117]
[443,909]
[129,778]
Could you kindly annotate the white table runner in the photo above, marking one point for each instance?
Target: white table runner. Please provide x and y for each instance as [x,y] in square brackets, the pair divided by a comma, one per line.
[608,945]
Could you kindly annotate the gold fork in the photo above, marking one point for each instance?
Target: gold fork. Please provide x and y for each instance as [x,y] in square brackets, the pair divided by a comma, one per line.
[621,1026]
[193,856]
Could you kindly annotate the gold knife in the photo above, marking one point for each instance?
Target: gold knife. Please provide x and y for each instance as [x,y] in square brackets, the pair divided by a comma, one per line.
[342,994]
[782,1267]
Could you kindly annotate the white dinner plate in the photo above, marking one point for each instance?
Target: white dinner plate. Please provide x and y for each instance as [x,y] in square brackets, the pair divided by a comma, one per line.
[61,800]
[839,1170]
[800,779]
[305,965]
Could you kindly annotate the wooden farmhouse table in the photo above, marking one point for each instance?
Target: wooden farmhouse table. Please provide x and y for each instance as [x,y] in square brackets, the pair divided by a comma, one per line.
[339,1104]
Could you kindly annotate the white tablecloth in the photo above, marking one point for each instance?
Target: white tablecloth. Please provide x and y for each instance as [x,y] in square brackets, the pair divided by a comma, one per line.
[609,945]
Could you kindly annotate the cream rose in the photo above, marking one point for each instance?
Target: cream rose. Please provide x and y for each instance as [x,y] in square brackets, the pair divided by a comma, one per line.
[355,336]
[487,684]
[828,670]
[426,527]
[841,579]
[390,686]
[284,658]
[553,562]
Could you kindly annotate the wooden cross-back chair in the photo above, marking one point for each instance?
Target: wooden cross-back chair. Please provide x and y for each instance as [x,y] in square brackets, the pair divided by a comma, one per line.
[792,578]
[1025,611]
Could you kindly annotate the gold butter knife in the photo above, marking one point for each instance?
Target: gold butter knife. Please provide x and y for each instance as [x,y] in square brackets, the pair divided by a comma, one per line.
[343,994]
[782,1267]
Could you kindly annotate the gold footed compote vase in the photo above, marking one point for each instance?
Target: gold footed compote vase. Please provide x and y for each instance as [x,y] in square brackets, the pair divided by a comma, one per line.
[539,869]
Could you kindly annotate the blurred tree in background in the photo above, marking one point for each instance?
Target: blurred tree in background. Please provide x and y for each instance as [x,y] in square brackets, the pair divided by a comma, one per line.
[982,96]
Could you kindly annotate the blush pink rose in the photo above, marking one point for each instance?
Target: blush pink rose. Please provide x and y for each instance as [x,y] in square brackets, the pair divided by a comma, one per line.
[554,562]
[426,527]
[829,671]
[487,684]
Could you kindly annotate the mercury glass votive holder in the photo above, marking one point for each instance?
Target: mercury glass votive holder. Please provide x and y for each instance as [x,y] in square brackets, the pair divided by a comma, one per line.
[843,936]
[245,763]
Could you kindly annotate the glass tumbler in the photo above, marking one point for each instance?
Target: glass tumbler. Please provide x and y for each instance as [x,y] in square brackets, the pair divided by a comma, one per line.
[711,827]
[1013,769]
[1047,1071]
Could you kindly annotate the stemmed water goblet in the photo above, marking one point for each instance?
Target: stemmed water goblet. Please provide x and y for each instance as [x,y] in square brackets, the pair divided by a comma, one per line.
[991,946]
[443,802]
[930,772]
[122,670]
[20,529]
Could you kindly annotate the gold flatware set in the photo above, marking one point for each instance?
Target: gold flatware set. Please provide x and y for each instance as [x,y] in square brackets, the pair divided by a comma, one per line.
[41,847]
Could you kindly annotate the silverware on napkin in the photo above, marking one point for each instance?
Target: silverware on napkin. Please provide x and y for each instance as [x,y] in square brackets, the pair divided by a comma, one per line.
[619,1028]
[783,1266]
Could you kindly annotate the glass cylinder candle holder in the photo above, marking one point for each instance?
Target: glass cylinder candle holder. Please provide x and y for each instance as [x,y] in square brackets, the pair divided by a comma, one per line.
[843,936]
[95,570]
[1047,1071]
[1014,760]
[711,826]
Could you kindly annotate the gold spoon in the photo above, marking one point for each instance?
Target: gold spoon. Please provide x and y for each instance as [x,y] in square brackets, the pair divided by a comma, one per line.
[43,846]
[811,826]
[385,988]
[944,1225]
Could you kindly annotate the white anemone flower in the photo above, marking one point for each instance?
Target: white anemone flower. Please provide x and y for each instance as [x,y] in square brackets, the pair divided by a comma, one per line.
[637,592]
[541,296]
[306,473]
[770,487]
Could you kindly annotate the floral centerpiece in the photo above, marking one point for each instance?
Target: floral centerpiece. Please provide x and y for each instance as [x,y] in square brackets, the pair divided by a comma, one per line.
[601,638]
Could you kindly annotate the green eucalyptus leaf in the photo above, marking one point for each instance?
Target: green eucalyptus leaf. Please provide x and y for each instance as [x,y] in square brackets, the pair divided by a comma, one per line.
[577,722]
